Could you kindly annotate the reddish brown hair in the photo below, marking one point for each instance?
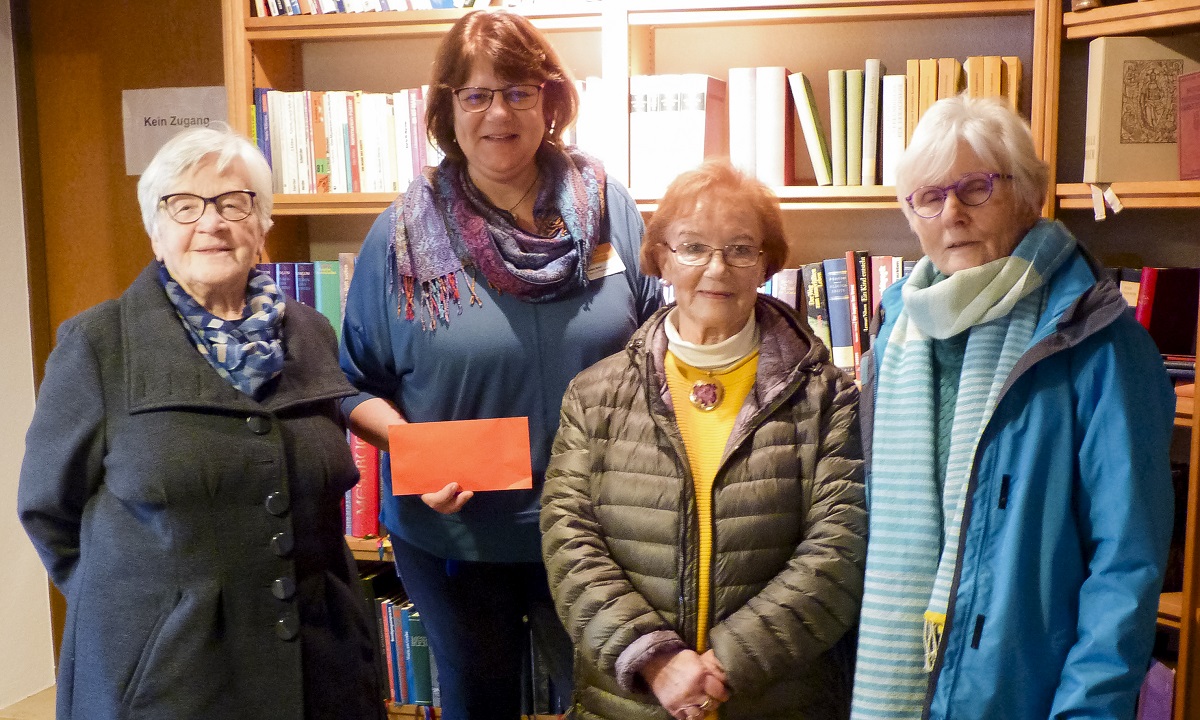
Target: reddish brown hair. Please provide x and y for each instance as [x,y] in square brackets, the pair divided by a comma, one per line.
[716,179]
[519,53]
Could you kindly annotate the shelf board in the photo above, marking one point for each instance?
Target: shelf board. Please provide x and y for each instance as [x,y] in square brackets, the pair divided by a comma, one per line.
[792,197]
[333,204]
[417,712]
[370,549]
[1131,18]
[1160,195]
[1170,609]
[565,15]
[702,12]
[812,197]
[583,15]
[1183,411]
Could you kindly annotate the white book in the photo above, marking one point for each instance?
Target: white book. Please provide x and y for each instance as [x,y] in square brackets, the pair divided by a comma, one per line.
[772,126]
[403,130]
[892,125]
[308,168]
[642,135]
[391,181]
[810,125]
[872,89]
[335,127]
[742,152]
[275,121]
[291,154]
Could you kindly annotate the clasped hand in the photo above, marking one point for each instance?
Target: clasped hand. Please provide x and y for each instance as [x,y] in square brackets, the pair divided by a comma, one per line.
[448,500]
[687,684]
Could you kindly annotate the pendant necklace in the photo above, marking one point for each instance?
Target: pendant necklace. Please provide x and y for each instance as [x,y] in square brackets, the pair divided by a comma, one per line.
[707,393]
[525,194]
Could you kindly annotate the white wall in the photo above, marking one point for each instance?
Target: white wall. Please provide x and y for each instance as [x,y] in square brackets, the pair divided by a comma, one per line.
[26,655]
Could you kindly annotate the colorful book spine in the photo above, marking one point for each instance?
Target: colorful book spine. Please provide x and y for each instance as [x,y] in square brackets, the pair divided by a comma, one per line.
[328,293]
[306,291]
[364,519]
[837,292]
[285,279]
[812,280]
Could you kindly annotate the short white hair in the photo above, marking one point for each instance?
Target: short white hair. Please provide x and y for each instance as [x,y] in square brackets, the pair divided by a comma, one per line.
[183,152]
[998,135]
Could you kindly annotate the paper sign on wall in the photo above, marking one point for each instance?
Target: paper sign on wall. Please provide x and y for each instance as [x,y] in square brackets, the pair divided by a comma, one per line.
[152,116]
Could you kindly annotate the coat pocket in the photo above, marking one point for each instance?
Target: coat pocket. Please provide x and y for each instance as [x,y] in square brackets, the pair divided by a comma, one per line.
[148,650]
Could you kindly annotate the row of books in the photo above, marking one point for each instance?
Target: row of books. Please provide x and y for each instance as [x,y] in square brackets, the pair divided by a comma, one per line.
[841,295]
[411,673]
[409,664]
[323,284]
[677,120]
[343,141]
[274,8]
[1165,302]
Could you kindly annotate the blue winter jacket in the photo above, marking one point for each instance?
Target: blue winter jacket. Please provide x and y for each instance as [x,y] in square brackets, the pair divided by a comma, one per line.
[1068,517]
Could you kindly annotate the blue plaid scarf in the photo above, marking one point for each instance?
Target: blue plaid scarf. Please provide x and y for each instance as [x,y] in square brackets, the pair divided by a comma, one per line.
[916,517]
[248,352]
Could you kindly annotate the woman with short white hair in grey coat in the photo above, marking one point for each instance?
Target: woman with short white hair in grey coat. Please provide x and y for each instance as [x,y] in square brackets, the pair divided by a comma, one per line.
[183,472]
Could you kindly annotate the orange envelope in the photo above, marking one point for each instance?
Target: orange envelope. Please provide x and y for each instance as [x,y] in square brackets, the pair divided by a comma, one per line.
[490,454]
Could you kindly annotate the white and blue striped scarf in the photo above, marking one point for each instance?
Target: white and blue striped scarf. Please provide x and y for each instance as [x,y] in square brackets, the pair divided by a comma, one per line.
[915,519]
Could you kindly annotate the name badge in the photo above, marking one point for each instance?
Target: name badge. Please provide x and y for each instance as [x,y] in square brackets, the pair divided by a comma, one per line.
[605,261]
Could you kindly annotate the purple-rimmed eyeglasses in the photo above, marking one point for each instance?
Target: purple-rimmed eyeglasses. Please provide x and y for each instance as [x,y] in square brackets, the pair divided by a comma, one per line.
[972,189]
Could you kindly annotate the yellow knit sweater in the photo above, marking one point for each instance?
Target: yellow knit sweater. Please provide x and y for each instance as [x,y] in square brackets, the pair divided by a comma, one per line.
[704,437]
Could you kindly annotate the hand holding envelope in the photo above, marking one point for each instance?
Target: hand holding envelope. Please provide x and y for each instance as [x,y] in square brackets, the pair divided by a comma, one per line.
[489,454]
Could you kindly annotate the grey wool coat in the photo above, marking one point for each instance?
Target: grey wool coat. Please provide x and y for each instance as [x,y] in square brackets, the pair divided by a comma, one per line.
[620,533]
[195,532]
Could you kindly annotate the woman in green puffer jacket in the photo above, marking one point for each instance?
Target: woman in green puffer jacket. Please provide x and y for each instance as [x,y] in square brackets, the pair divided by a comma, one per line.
[703,521]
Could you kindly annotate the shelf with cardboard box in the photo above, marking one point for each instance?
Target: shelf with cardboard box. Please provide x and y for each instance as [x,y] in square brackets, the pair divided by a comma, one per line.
[1112,170]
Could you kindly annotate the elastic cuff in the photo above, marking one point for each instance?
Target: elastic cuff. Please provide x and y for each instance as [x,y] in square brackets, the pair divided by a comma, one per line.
[639,653]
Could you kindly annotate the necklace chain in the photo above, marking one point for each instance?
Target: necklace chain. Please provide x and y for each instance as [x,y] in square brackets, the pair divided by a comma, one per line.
[525,194]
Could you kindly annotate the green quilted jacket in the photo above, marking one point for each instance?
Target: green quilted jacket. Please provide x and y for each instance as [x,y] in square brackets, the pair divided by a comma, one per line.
[620,534]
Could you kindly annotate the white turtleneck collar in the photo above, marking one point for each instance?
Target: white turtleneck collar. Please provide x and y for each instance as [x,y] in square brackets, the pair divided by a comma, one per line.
[714,356]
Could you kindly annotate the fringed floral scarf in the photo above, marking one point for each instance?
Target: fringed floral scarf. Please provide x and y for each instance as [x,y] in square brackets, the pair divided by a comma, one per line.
[247,352]
[443,225]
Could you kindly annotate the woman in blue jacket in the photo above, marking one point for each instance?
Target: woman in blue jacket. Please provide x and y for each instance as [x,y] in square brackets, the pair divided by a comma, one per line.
[1017,421]
[494,279]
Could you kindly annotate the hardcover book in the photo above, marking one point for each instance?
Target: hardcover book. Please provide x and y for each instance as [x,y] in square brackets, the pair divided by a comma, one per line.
[837,292]
[1131,123]
[742,152]
[854,126]
[1189,126]
[872,100]
[812,281]
[810,125]
[837,125]
[774,133]
[1167,305]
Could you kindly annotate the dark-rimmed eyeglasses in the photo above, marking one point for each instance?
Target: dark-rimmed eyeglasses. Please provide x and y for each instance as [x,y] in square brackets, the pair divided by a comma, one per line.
[693,253]
[187,208]
[478,99]
[972,189]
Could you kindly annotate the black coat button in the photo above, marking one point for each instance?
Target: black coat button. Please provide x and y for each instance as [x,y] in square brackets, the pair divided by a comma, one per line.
[284,588]
[282,543]
[287,627]
[277,503]
[258,424]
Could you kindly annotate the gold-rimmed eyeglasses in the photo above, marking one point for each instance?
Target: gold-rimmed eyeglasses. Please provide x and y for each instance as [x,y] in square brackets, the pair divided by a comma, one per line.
[187,208]
[694,253]
[479,99]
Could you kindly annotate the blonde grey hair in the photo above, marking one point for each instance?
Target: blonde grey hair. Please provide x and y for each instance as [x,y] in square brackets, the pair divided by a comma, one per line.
[999,136]
[183,152]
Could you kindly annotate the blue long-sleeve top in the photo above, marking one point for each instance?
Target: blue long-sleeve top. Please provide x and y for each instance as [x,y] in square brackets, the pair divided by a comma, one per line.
[508,358]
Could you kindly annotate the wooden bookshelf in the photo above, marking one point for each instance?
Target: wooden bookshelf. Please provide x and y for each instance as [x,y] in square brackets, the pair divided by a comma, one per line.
[370,549]
[419,712]
[1170,609]
[1146,16]
[1161,194]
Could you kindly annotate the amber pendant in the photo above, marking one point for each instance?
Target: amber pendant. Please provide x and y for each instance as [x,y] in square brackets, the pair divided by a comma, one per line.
[707,394]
